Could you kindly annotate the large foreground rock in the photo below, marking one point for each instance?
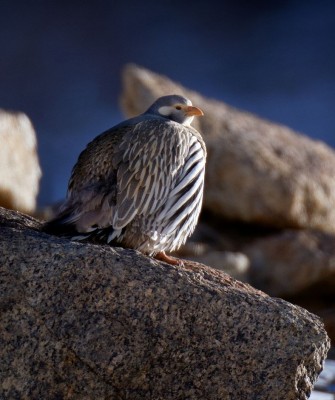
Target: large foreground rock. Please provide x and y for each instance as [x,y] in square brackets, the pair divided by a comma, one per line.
[20,172]
[82,321]
[257,171]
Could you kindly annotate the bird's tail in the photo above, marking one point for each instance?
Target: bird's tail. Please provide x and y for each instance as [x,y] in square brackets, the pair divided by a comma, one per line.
[61,226]
[64,226]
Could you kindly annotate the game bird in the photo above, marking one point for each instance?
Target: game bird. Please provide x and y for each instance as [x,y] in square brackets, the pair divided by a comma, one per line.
[140,184]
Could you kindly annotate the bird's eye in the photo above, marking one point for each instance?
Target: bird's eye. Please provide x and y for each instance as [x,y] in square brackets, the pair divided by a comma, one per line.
[178,108]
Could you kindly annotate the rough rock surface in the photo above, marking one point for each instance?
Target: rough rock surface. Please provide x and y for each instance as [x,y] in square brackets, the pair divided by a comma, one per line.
[257,171]
[82,321]
[20,172]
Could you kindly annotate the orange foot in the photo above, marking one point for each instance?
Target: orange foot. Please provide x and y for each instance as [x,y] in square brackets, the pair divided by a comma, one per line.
[161,256]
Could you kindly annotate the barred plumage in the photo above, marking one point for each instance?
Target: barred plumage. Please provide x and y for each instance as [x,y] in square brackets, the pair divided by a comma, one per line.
[139,184]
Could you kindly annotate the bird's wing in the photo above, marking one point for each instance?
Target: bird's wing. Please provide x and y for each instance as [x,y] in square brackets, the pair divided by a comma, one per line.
[149,161]
[126,171]
[92,187]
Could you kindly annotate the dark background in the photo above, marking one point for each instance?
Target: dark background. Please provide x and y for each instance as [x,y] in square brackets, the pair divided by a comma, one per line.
[60,63]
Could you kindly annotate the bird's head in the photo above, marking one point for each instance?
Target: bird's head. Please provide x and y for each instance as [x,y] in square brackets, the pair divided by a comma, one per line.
[174,107]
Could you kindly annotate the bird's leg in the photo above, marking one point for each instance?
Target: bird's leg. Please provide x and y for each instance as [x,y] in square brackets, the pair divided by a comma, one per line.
[162,256]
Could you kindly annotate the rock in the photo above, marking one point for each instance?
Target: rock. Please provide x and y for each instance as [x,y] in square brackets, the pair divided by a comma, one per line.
[326,383]
[298,266]
[209,246]
[290,262]
[319,300]
[233,263]
[257,171]
[84,321]
[20,172]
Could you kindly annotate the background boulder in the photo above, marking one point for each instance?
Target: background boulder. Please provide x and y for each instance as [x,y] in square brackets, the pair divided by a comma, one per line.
[20,172]
[257,171]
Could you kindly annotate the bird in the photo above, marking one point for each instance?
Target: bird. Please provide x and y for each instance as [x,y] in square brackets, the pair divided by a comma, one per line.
[140,184]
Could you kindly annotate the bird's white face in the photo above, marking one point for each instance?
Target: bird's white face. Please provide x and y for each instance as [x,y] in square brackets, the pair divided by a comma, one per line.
[182,113]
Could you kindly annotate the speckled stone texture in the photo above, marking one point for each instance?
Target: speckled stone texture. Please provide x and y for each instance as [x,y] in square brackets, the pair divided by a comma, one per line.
[257,171]
[81,321]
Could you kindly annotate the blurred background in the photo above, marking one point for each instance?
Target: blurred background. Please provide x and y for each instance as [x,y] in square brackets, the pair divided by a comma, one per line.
[61,61]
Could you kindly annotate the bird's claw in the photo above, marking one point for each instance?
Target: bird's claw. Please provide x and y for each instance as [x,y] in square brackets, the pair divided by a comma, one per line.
[162,256]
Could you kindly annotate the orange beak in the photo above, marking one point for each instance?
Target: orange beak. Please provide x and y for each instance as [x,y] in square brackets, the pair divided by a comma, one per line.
[191,110]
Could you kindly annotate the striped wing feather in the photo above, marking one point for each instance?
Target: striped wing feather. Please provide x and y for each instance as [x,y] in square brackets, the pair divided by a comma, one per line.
[152,157]
[178,217]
